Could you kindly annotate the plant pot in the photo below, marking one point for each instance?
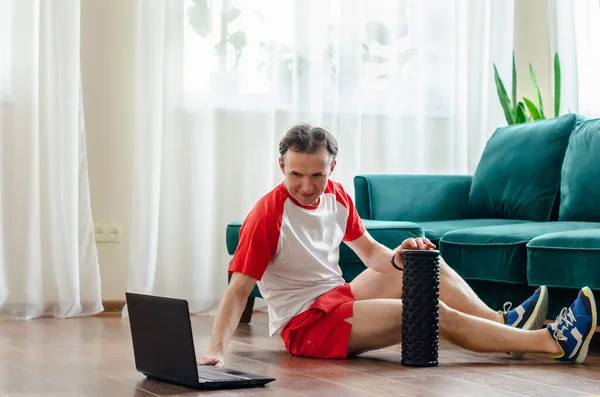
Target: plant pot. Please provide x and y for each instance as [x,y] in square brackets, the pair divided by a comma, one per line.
[225,84]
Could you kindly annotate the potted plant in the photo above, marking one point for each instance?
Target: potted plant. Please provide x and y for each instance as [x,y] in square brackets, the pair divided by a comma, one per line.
[200,17]
[517,112]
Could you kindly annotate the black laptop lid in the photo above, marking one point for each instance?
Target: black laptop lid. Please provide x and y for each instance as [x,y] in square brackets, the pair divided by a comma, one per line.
[162,338]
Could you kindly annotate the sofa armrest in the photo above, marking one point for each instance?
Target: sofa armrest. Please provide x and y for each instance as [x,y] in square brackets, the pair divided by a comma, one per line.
[415,198]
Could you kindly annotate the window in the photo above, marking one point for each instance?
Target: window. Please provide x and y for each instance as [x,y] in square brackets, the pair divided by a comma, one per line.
[295,52]
[258,38]
[586,15]
[5,48]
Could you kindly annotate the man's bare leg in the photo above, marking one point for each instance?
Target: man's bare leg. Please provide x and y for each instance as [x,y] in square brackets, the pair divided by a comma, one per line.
[454,291]
[377,323]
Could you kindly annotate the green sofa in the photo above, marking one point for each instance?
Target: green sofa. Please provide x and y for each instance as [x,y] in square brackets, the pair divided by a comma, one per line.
[529,215]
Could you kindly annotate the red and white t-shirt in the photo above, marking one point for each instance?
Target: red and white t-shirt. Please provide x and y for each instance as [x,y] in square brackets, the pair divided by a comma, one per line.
[293,250]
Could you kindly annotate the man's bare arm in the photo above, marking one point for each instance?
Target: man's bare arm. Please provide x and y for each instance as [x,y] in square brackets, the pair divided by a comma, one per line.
[228,317]
[379,257]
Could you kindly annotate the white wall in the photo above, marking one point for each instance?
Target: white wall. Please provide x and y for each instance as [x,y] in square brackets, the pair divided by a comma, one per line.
[107,67]
[532,45]
[106,61]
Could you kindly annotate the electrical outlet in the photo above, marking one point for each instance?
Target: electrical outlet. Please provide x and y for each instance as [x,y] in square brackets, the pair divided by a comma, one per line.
[101,232]
[107,233]
[114,233]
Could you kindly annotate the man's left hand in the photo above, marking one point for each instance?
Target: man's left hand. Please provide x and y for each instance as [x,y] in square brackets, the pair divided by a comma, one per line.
[420,243]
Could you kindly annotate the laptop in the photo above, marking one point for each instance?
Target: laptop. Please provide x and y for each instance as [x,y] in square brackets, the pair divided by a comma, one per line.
[163,347]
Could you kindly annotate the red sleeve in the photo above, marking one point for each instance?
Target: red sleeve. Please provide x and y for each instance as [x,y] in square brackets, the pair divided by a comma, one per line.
[354,225]
[258,240]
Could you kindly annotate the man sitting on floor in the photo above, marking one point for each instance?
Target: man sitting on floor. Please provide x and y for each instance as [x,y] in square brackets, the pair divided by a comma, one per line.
[289,245]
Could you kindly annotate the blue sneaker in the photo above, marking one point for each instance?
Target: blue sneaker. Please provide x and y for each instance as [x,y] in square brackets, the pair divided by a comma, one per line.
[529,315]
[574,327]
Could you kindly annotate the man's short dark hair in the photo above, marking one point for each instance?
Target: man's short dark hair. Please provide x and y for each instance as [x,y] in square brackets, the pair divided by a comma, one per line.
[304,138]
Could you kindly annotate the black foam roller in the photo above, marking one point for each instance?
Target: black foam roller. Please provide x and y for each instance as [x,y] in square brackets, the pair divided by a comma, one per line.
[420,308]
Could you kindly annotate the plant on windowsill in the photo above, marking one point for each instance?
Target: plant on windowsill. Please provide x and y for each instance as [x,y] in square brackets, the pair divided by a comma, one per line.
[383,55]
[282,64]
[200,17]
[527,110]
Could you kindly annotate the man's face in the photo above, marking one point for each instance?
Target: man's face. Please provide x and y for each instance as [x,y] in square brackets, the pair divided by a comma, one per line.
[306,174]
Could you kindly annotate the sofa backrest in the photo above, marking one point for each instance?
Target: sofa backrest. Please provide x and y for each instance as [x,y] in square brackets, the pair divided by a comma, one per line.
[414,198]
[580,178]
[519,174]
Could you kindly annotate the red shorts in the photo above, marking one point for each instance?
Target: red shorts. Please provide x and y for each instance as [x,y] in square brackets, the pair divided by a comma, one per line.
[321,331]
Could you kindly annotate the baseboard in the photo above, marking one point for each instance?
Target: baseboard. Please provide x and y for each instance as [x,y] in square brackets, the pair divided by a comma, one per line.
[113,307]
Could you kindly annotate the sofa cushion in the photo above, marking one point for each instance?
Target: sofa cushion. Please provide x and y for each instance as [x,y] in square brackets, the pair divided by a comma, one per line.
[497,253]
[580,189]
[518,175]
[389,233]
[568,259]
[436,229]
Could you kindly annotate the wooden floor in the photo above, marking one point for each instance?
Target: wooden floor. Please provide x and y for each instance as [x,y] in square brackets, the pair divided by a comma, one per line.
[93,357]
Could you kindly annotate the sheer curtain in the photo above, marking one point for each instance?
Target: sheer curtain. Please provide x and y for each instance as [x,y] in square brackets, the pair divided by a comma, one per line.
[575,28]
[48,261]
[405,86]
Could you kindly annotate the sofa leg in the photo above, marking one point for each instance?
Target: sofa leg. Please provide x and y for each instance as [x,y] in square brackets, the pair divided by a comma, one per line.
[247,314]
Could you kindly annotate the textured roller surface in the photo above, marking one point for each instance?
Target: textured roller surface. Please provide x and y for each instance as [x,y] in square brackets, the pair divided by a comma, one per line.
[420,310]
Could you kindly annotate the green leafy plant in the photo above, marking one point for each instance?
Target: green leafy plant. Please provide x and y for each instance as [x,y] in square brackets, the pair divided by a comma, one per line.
[200,18]
[517,112]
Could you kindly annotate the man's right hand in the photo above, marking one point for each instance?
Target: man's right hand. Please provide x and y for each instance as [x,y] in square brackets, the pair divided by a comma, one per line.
[228,317]
[212,358]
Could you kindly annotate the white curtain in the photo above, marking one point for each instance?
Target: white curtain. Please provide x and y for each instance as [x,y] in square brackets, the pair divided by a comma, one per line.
[574,32]
[405,86]
[48,261]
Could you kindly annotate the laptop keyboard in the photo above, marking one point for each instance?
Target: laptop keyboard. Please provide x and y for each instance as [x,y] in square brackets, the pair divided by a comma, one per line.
[212,374]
